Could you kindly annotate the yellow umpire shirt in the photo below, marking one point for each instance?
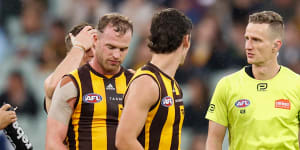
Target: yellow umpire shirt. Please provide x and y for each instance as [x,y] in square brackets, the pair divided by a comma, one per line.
[259,114]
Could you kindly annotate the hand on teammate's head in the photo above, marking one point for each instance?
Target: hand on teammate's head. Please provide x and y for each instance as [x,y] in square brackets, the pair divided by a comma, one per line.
[85,38]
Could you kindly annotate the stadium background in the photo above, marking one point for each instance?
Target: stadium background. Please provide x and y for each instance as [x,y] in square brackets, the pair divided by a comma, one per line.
[32,44]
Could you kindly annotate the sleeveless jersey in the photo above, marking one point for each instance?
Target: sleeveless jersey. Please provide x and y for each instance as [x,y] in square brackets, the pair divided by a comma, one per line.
[97,109]
[162,129]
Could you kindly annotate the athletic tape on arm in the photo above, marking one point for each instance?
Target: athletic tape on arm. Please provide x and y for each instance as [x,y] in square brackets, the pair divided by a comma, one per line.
[60,109]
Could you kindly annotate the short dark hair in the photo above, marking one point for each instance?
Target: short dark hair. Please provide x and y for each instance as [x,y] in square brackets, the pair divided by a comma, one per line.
[75,30]
[120,22]
[269,17]
[168,27]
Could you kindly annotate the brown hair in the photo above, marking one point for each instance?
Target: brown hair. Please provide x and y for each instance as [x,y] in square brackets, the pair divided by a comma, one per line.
[269,17]
[168,27]
[120,22]
[75,30]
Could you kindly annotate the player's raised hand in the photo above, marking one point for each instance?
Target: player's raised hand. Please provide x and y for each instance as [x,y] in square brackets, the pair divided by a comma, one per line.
[84,38]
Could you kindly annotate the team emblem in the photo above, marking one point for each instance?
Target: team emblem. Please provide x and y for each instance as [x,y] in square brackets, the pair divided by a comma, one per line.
[167,101]
[242,103]
[92,98]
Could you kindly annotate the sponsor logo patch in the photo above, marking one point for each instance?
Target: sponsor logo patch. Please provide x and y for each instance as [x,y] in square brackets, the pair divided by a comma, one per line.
[167,101]
[115,98]
[283,104]
[242,103]
[92,98]
[178,100]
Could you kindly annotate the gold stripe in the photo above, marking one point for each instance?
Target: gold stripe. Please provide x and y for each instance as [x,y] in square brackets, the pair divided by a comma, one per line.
[120,81]
[180,123]
[152,113]
[99,134]
[120,106]
[167,131]
[77,111]
[150,117]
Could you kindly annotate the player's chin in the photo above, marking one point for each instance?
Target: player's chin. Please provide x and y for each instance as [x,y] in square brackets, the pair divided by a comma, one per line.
[89,59]
[250,61]
[113,68]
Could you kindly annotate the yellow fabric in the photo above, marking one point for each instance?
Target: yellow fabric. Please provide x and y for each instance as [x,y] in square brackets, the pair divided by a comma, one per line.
[99,134]
[259,114]
[76,114]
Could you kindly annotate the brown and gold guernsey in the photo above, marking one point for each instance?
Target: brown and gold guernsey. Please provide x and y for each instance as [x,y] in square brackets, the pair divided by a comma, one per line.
[162,129]
[97,109]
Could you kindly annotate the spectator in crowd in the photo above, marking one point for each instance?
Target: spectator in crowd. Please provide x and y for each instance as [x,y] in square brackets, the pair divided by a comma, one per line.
[18,94]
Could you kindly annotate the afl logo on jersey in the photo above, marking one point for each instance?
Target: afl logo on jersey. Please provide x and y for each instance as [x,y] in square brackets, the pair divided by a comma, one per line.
[242,103]
[167,101]
[92,98]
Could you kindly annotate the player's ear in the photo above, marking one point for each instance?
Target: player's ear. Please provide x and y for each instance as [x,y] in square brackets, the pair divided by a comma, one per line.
[95,37]
[187,41]
[276,46]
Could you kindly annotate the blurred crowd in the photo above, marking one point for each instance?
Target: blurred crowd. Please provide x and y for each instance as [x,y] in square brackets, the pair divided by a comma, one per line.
[32,44]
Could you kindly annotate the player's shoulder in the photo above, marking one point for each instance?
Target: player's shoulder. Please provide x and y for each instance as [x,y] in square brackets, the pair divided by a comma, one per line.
[143,71]
[289,76]
[139,83]
[288,72]
[65,80]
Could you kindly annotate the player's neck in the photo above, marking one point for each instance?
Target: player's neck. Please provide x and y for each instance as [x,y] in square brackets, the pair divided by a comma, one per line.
[265,71]
[167,63]
[98,68]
